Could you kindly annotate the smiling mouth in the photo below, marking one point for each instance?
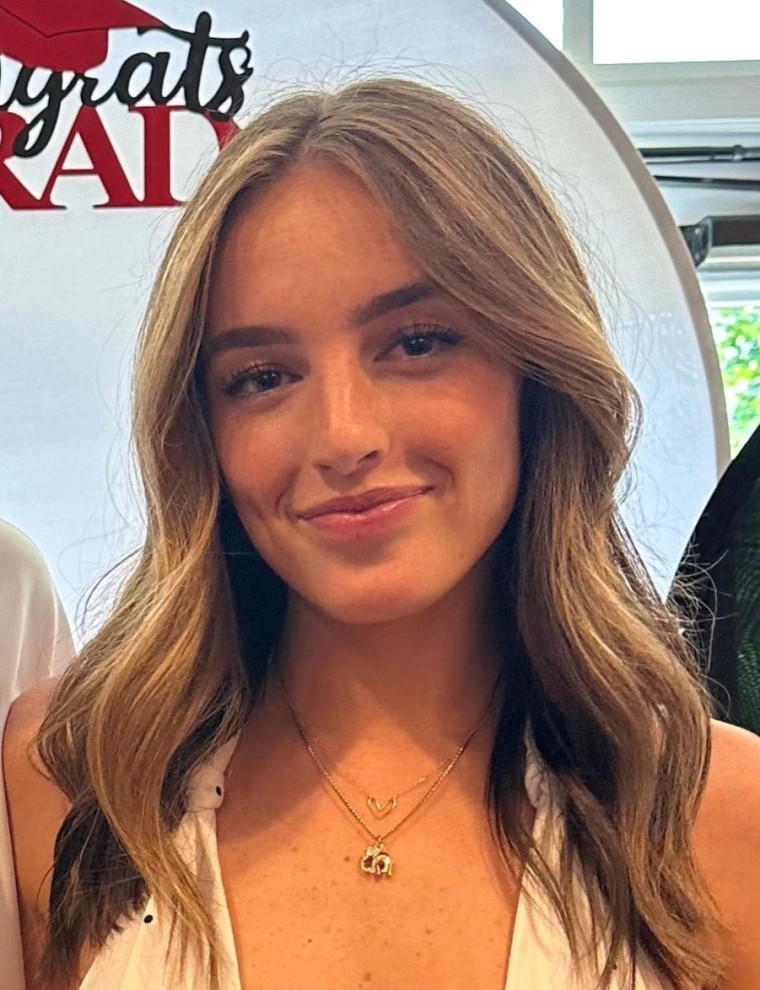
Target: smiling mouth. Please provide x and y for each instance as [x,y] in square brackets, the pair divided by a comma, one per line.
[365,501]
[375,521]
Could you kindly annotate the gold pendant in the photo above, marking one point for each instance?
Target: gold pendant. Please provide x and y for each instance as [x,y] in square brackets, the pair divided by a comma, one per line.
[376,861]
[382,808]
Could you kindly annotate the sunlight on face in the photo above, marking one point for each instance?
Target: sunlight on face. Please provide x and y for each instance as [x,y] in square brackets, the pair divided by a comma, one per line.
[318,389]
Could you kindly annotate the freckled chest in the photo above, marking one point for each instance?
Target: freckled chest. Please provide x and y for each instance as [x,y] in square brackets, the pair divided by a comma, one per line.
[304,915]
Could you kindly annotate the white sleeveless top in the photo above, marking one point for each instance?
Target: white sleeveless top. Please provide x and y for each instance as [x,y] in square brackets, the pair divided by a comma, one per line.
[135,957]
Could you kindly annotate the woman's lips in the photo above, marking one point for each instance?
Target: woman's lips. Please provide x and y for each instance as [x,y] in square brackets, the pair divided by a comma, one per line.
[378,521]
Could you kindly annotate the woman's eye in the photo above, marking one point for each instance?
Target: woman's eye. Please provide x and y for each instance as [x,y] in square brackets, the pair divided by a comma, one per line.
[256,380]
[418,342]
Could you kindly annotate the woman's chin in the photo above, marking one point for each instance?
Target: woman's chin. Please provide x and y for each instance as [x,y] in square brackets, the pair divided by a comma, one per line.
[372,608]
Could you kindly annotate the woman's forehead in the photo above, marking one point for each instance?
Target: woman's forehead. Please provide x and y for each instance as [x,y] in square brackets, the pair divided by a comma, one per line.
[314,205]
[291,249]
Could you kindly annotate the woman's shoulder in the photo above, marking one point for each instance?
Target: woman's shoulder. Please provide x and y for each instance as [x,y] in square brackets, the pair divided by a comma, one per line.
[731,802]
[36,806]
[727,844]
[23,773]
[24,719]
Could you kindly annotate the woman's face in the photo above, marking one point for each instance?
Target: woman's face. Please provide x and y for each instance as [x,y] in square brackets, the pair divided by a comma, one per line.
[325,380]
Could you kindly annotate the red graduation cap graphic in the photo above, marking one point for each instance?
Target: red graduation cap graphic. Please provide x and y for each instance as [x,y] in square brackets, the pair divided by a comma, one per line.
[65,35]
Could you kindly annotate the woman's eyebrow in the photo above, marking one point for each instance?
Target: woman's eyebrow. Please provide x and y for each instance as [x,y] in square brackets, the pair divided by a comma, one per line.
[386,302]
[261,334]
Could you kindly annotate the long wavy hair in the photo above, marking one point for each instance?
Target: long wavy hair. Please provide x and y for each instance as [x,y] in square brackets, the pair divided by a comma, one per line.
[597,666]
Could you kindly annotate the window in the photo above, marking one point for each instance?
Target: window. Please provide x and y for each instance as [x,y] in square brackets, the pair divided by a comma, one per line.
[647,42]
[737,338]
[730,281]
[546,15]
[676,30]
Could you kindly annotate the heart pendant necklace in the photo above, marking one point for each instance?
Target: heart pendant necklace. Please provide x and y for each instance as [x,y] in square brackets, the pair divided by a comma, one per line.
[376,860]
[378,808]
[382,808]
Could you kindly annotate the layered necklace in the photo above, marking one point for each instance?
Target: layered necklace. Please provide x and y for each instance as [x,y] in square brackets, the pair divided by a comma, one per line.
[376,860]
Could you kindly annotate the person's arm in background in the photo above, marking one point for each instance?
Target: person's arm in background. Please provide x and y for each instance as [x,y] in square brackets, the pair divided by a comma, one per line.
[35,643]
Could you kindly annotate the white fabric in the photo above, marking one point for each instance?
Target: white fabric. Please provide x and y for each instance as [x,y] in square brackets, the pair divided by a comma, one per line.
[35,642]
[134,959]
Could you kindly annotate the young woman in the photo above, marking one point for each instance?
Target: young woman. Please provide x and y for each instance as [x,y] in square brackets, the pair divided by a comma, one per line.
[388,699]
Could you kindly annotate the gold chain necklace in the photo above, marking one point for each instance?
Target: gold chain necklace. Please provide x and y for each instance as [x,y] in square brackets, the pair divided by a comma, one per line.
[375,860]
[380,809]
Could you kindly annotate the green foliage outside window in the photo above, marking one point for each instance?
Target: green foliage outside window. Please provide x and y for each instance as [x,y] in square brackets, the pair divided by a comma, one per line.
[737,338]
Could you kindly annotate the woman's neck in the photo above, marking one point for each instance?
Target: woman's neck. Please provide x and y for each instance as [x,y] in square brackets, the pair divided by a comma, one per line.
[394,696]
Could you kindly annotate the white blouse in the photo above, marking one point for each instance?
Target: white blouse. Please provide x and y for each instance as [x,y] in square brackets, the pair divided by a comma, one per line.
[135,958]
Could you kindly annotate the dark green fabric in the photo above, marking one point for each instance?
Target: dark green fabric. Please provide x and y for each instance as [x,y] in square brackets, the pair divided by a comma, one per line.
[746,546]
[722,568]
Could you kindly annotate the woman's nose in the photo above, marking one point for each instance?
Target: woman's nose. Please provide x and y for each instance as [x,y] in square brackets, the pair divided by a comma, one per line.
[349,423]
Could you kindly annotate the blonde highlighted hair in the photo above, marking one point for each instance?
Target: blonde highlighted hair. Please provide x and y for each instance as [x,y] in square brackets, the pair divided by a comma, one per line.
[595,662]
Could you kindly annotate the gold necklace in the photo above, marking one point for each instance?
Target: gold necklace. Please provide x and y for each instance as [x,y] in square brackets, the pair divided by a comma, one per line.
[380,809]
[375,860]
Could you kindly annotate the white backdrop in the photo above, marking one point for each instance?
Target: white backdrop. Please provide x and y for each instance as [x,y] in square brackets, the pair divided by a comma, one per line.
[74,281]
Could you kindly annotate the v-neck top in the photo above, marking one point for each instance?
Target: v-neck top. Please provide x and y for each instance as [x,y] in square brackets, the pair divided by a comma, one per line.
[135,958]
